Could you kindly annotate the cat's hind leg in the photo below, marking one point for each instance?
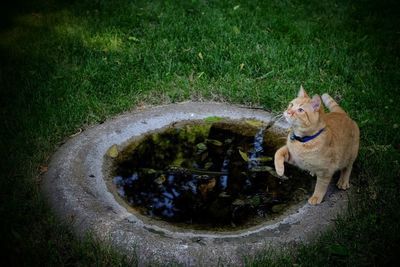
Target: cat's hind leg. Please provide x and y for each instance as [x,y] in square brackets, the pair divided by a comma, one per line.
[343,182]
[281,155]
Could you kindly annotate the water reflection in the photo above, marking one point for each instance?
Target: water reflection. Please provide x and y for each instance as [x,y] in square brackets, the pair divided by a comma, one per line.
[206,175]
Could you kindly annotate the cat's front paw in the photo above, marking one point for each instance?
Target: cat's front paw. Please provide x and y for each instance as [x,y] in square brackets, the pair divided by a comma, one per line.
[342,184]
[314,200]
[280,169]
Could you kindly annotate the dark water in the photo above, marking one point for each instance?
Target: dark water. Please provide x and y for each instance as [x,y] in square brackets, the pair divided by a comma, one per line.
[208,175]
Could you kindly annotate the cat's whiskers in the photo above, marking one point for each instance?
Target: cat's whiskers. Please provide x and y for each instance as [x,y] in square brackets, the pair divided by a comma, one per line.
[277,117]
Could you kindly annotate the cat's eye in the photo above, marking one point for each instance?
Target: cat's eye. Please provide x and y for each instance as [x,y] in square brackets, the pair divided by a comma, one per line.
[300,110]
[290,105]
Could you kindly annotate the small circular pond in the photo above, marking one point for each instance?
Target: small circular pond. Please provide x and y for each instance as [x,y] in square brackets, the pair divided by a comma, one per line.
[189,183]
[210,174]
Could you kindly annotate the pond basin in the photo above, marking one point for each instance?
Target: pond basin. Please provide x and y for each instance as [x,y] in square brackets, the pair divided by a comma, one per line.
[212,174]
[87,185]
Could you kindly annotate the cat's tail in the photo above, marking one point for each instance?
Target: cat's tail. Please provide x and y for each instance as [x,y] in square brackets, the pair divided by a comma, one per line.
[331,104]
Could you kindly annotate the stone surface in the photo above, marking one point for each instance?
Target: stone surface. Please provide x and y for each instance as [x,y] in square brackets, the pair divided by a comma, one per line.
[76,186]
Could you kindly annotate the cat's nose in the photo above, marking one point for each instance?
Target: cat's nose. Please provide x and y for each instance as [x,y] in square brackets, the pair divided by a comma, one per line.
[290,112]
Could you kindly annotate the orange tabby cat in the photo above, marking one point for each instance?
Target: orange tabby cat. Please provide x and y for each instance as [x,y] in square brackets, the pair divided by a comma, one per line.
[319,143]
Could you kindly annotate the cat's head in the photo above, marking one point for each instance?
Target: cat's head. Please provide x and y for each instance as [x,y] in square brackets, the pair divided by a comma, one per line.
[303,111]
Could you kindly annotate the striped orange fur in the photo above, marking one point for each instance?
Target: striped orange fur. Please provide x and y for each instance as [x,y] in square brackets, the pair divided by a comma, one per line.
[332,141]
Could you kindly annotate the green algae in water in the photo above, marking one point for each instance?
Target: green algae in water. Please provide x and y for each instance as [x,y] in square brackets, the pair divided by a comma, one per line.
[208,175]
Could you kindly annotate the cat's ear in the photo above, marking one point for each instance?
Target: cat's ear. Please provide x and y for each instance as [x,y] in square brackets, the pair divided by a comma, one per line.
[302,92]
[316,102]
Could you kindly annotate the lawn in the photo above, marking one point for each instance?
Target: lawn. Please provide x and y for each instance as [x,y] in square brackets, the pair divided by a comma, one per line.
[66,65]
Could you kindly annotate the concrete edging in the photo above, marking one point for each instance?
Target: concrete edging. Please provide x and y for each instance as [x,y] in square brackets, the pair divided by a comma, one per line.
[76,189]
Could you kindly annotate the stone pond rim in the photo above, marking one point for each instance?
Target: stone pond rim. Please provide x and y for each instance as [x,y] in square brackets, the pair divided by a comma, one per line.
[76,188]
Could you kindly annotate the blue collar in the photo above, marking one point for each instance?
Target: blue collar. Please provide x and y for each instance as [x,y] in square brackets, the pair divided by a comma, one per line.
[305,138]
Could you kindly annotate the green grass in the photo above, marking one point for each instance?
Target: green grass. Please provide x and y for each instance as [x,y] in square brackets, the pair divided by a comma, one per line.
[67,65]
